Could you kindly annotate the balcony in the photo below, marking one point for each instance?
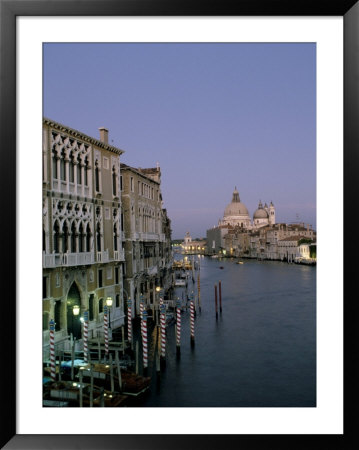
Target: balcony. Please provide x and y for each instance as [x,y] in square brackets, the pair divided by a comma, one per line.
[119,255]
[149,236]
[50,260]
[102,257]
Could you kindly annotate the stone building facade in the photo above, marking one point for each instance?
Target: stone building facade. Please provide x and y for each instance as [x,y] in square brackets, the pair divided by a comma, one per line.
[147,236]
[83,256]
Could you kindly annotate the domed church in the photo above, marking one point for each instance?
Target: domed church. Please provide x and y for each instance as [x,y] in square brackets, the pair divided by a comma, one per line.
[264,215]
[236,214]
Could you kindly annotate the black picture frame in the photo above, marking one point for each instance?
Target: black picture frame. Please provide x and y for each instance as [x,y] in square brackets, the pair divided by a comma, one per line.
[9,10]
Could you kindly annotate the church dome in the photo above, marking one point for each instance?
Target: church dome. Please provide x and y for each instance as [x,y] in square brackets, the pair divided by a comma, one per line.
[235,208]
[260,213]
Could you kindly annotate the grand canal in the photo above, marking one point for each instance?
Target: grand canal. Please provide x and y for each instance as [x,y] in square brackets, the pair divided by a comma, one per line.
[260,352]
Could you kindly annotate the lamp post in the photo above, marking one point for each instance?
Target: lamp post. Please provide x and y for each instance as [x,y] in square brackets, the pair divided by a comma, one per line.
[158,290]
[75,312]
[109,302]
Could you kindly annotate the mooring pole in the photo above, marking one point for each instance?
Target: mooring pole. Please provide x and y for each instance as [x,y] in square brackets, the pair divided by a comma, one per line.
[220,296]
[215,300]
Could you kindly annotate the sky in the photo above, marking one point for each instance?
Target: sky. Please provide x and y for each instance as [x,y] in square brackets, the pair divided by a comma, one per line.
[214,116]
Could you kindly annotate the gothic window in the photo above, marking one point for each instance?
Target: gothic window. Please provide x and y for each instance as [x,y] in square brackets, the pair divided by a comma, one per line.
[79,171]
[71,169]
[65,237]
[114,181]
[73,238]
[62,166]
[56,237]
[81,238]
[98,237]
[100,278]
[88,238]
[115,237]
[97,178]
[54,165]
[86,171]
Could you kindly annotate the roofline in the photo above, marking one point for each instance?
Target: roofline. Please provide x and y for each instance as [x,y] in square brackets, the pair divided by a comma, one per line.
[85,137]
[124,166]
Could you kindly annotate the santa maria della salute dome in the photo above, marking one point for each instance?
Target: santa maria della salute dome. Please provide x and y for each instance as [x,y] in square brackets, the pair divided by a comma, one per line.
[236,214]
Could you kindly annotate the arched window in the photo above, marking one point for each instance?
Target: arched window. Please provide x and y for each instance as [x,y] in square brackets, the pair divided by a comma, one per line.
[100,306]
[97,177]
[115,237]
[117,300]
[62,166]
[81,238]
[114,181]
[86,171]
[73,237]
[79,171]
[54,164]
[71,169]
[65,238]
[88,238]
[98,237]
[56,237]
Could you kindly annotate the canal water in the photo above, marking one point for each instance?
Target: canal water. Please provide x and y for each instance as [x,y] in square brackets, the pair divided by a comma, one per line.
[260,352]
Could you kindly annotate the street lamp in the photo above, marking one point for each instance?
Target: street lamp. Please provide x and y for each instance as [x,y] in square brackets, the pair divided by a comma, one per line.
[158,290]
[109,304]
[75,312]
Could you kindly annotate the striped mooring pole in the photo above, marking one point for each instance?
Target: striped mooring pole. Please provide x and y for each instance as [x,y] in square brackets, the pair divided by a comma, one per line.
[86,325]
[129,321]
[163,331]
[142,307]
[199,292]
[192,322]
[144,342]
[105,328]
[52,350]
[220,296]
[178,327]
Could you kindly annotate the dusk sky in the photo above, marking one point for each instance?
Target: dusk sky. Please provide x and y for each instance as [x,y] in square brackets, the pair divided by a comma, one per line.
[214,116]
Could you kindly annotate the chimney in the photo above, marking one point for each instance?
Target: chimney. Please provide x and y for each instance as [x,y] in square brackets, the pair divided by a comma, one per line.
[104,135]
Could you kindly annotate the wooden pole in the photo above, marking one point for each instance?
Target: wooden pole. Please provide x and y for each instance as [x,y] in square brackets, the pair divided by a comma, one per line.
[60,360]
[111,374]
[72,359]
[118,371]
[199,292]
[123,340]
[81,394]
[99,350]
[215,300]
[220,296]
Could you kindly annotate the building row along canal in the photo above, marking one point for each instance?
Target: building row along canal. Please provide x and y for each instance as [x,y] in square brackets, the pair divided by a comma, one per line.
[106,235]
